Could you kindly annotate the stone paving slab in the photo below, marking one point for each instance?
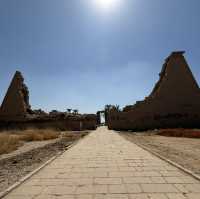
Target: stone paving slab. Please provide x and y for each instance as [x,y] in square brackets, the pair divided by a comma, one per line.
[106,166]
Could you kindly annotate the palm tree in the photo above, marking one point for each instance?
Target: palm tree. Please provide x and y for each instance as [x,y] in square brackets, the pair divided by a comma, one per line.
[75,111]
[69,110]
[117,108]
[107,109]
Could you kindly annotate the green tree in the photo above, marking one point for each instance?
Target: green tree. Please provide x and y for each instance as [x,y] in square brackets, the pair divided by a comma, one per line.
[75,111]
[69,110]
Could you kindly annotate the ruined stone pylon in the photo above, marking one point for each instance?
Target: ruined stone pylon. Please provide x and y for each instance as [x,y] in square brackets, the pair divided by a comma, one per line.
[174,101]
[15,105]
[176,82]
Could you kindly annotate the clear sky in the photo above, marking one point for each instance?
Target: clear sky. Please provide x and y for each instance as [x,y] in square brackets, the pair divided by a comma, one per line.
[83,54]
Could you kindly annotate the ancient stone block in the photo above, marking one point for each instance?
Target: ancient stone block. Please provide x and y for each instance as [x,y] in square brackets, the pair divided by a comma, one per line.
[15,105]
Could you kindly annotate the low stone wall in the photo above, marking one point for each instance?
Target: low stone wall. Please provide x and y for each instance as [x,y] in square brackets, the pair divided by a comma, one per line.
[62,124]
[122,121]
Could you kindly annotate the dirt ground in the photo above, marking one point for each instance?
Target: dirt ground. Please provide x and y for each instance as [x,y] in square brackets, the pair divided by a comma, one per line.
[184,151]
[31,155]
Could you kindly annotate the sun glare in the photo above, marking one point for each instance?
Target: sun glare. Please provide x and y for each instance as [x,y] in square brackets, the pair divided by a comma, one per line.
[106,5]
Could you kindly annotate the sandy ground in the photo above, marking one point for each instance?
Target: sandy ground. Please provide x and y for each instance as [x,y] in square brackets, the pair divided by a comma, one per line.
[184,151]
[104,165]
[27,146]
[31,155]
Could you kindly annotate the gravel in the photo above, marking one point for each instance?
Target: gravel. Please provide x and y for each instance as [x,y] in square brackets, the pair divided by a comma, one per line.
[27,158]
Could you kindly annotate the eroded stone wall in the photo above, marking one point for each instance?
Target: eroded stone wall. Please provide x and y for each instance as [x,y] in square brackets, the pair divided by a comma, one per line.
[16,113]
[60,124]
[174,101]
[15,105]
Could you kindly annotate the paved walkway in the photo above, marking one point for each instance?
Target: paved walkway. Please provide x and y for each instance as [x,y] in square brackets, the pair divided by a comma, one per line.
[106,166]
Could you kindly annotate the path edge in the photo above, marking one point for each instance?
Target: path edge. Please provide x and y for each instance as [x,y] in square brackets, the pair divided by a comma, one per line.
[189,172]
[29,175]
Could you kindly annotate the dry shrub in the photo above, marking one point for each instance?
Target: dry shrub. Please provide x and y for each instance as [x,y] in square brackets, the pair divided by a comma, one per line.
[8,143]
[189,133]
[11,140]
[38,135]
[70,136]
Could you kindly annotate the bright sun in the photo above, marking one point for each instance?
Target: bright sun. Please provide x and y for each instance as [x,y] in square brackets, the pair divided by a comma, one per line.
[106,4]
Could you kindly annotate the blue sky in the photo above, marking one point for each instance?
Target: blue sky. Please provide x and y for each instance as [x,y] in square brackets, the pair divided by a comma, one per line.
[73,54]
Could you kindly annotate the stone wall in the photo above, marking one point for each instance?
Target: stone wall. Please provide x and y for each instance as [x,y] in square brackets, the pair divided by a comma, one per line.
[15,105]
[16,113]
[61,124]
[174,101]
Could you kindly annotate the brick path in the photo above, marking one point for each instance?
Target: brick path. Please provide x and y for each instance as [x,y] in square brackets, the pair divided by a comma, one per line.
[106,166]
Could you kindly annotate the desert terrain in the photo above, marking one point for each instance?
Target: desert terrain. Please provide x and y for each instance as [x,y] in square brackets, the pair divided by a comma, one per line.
[182,150]
[21,152]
